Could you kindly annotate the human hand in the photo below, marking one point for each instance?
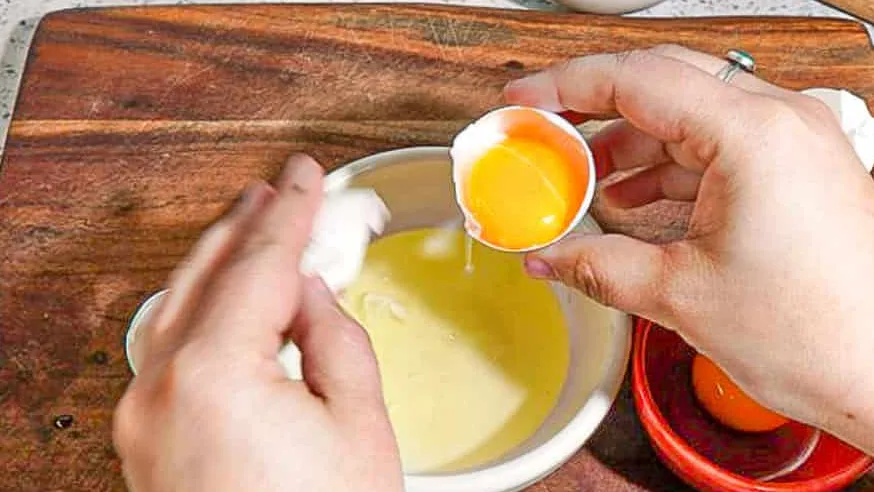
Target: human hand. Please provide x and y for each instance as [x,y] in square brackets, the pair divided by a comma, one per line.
[212,409]
[773,278]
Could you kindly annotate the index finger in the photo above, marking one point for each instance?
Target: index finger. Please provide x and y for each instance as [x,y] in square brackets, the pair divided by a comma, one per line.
[668,99]
[256,295]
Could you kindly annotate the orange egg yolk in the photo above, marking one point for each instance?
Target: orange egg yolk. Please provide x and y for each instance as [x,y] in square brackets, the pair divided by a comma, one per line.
[722,399]
[523,193]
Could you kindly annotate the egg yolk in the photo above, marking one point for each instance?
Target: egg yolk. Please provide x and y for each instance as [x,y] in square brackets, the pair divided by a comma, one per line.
[727,403]
[523,193]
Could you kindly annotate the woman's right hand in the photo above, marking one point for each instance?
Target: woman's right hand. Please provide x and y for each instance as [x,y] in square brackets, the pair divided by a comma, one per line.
[774,277]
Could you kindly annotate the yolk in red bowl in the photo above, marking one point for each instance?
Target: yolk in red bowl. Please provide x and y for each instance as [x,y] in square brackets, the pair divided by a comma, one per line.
[727,403]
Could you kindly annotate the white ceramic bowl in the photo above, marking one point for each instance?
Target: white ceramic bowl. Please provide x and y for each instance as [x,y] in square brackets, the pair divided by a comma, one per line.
[416,185]
[608,6]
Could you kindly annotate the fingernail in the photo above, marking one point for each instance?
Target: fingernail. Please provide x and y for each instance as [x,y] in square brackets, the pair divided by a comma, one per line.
[302,172]
[538,268]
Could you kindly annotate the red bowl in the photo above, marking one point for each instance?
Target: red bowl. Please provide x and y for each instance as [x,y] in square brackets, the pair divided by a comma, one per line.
[832,465]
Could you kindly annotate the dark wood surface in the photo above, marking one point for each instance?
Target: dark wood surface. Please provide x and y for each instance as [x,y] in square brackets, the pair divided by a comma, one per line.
[136,128]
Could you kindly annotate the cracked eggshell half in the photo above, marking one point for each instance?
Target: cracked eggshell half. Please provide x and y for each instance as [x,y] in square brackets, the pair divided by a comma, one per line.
[483,135]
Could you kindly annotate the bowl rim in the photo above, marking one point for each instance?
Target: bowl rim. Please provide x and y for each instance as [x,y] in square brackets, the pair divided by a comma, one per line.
[532,465]
[597,7]
[676,451]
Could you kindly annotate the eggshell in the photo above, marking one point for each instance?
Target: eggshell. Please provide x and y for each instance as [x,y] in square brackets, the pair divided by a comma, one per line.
[343,228]
[341,233]
[496,126]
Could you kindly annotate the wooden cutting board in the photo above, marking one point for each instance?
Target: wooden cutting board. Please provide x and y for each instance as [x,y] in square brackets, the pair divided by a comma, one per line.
[136,128]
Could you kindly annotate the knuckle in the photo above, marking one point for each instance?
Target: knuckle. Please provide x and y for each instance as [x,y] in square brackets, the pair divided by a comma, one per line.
[703,150]
[775,111]
[628,65]
[570,65]
[673,289]
[567,65]
[358,347]
[273,240]
[259,245]
[687,273]
[814,107]
[635,57]
[671,50]
[260,242]
[356,337]
[565,71]
[776,117]
[185,378]
[593,284]
[355,334]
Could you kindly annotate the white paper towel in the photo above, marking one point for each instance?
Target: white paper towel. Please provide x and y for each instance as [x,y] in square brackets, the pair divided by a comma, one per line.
[855,120]
[342,231]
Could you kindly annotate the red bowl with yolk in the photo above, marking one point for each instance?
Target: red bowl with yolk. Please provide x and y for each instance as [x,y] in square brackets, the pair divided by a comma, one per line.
[684,437]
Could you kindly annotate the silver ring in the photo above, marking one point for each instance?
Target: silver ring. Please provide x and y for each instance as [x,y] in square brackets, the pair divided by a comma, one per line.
[737,60]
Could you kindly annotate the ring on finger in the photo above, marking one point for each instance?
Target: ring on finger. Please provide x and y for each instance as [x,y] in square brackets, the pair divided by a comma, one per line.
[738,60]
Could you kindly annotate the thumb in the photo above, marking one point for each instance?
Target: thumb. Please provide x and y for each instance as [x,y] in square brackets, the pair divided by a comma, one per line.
[615,270]
[337,360]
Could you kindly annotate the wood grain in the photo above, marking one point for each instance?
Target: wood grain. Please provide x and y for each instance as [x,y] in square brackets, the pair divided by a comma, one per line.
[137,127]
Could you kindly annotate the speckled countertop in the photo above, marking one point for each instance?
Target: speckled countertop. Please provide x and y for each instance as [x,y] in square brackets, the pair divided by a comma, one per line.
[18,19]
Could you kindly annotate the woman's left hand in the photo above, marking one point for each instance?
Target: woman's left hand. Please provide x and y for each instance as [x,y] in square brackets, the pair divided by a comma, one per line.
[212,409]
